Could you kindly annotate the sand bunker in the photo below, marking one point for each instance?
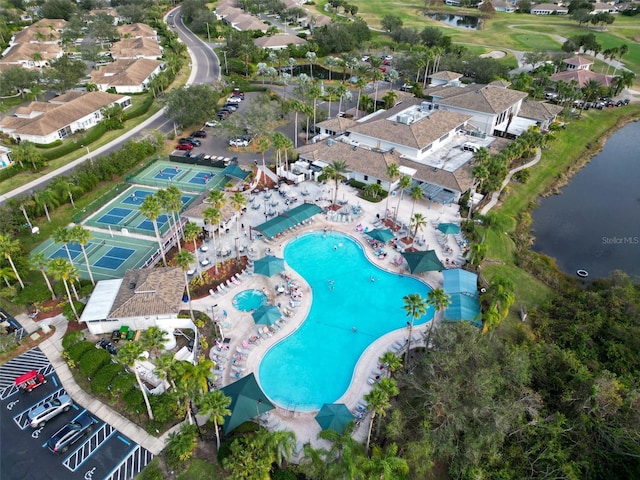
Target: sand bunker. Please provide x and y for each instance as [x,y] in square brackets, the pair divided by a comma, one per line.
[494,54]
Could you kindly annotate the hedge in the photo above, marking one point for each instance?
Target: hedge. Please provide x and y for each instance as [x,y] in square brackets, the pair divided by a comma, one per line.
[140,109]
[93,360]
[71,339]
[79,349]
[91,136]
[101,381]
[122,384]
[134,401]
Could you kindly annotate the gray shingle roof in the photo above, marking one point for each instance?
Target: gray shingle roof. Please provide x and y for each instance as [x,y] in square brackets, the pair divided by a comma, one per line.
[487,99]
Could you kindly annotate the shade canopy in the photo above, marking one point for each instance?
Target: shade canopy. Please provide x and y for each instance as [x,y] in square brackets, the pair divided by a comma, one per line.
[266,315]
[235,171]
[247,401]
[463,307]
[449,228]
[381,234]
[268,265]
[423,261]
[287,220]
[457,280]
[334,416]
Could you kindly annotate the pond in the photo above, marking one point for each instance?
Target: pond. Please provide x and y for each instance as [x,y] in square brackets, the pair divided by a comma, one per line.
[459,21]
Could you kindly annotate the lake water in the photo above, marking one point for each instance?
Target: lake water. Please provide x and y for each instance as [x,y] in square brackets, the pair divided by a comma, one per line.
[461,21]
[594,224]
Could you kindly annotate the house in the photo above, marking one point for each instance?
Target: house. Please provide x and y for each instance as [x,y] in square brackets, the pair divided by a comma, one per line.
[577,69]
[31,55]
[137,30]
[46,122]
[491,107]
[107,11]
[504,6]
[247,22]
[600,7]
[126,75]
[5,157]
[141,299]
[45,30]
[542,113]
[444,78]
[139,47]
[548,9]
[278,42]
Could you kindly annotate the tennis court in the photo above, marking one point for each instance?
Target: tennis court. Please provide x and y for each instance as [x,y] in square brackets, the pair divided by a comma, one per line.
[122,214]
[109,256]
[187,177]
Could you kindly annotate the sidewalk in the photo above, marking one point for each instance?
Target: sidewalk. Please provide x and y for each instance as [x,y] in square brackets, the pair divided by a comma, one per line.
[52,348]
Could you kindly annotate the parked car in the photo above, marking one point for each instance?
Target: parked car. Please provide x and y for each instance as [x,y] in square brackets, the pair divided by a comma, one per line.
[212,123]
[234,99]
[193,141]
[238,142]
[230,106]
[184,146]
[107,345]
[40,415]
[237,93]
[222,114]
[71,433]
[199,134]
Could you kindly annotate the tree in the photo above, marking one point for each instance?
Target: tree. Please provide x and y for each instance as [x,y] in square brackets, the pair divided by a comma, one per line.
[65,271]
[212,216]
[416,193]
[181,444]
[26,152]
[403,184]
[389,99]
[129,354]
[63,235]
[40,262]
[312,57]
[18,80]
[64,9]
[152,338]
[216,404]
[152,209]
[500,296]
[331,63]
[622,81]
[46,198]
[336,172]
[82,236]
[64,74]
[191,233]
[238,201]
[8,248]
[391,23]
[391,361]
[591,90]
[439,300]
[184,259]
[379,402]
[415,306]
[63,187]
[418,222]
[191,105]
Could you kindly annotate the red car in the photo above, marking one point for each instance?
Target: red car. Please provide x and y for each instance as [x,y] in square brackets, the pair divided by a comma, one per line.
[184,146]
[29,381]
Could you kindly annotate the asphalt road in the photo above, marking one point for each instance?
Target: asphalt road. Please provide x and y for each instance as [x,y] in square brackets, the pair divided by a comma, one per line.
[105,453]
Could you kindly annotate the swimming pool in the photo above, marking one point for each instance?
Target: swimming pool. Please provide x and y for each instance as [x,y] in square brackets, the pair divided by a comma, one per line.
[248,300]
[315,364]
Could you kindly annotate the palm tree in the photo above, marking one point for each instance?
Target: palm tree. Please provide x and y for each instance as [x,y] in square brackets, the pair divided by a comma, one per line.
[151,208]
[500,296]
[171,201]
[8,247]
[389,99]
[331,62]
[211,215]
[190,233]
[194,382]
[336,172]
[418,222]
[63,187]
[63,235]
[65,271]
[129,354]
[23,208]
[40,262]
[215,402]
[416,307]
[439,300]
[153,337]
[624,80]
[386,464]
[391,361]
[477,252]
[416,194]
[393,172]
[312,57]
[46,199]
[590,91]
[622,51]
[184,259]
[238,201]
[83,236]
[493,221]
[379,402]
[403,184]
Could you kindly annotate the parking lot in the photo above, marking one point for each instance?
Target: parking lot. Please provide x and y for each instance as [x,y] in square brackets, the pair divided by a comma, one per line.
[104,453]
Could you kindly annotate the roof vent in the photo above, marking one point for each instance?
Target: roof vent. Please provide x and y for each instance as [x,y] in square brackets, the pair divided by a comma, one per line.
[132,286]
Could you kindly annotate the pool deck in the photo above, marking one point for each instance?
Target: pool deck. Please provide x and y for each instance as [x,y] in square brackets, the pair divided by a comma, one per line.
[239,326]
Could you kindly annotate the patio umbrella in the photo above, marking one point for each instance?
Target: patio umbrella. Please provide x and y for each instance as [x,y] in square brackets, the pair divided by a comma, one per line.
[423,261]
[381,234]
[266,315]
[247,401]
[449,228]
[268,265]
[334,416]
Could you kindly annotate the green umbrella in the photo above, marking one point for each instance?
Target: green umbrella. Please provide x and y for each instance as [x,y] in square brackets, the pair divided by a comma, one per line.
[423,261]
[266,315]
[449,228]
[247,401]
[334,416]
[381,234]
[268,265]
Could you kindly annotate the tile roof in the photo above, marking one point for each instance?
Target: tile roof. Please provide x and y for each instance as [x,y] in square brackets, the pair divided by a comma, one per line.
[445,75]
[279,41]
[582,76]
[251,23]
[337,124]
[24,52]
[125,72]
[136,47]
[457,181]
[137,30]
[577,60]
[64,114]
[44,30]
[487,99]
[149,292]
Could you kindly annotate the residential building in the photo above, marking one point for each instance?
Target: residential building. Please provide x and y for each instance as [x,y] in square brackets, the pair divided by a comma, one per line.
[137,30]
[444,77]
[126,75]
[138,47]
[600,7]
[549,9]
[504,6]
[45,30]
[278,42]
[577,69]
[31,55]
[46,122]
[5,157]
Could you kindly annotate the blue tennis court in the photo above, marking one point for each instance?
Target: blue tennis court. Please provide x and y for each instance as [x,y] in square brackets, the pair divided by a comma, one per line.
[114,216]
[147,224]
[167,173]
[137,197]
[201,178]
[74,251]
[115,257]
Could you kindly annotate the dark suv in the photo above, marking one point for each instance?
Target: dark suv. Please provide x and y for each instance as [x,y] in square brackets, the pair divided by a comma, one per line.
[193,141]
[71,433]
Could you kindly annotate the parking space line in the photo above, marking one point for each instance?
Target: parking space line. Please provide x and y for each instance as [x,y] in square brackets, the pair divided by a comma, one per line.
[131,465]
[44,445]
[90,445]
[22,419]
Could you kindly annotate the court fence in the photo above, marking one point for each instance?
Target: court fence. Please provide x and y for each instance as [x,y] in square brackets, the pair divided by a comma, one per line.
[100,202]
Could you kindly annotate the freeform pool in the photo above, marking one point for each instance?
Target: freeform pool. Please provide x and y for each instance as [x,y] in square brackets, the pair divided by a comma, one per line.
[248,300]
[315,364]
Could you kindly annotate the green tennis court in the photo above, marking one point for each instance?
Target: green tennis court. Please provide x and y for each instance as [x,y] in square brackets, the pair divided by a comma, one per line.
[187,177]
[109,256]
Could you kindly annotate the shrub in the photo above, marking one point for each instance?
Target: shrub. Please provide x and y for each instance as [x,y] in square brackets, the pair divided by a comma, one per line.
[140,109]
[151,472]
[165,407]
[101,381]
[72,145]
[93,360]
[181,445]
[122,384]
[72,338]
[33,293]
[134,401]
[77,350]
[68,313]
[283,475]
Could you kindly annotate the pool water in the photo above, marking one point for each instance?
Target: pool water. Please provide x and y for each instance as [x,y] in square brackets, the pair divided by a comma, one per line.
[315,364]
[248,300]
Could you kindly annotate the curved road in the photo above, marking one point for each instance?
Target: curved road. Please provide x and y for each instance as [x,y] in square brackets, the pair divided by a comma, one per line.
[205,69]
